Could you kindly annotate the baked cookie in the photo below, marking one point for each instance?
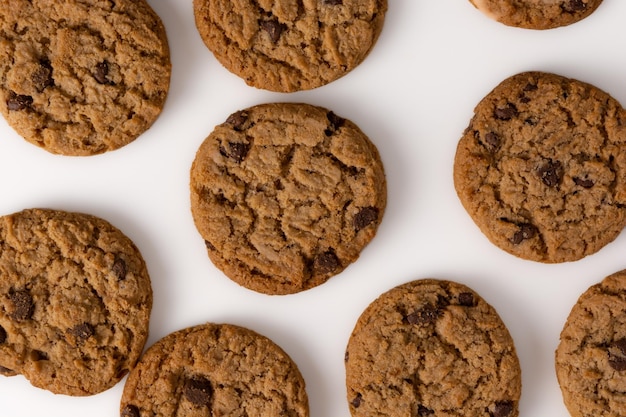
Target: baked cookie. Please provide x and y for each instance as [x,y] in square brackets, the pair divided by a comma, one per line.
[81,77]
[432,348]
[591,356]
[537,14]
[215,370]
[541,168]
[286,195]
[286,45]
[75,301]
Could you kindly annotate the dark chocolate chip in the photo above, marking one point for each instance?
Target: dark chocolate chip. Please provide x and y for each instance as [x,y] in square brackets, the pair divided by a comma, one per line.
[18,101]
[466,299]
[22,305]
[492,141]
[6,371]
[236,151]
[502,409]
[617,355]
[526,231]
[198,390]
[365,217]
[573,6]
[101,73]
[336,123]
[584,182]
[326,262]
[530,87]
[82,332]
[238,119]
[130,411]
[119,268]
[209,245]
[426,315]
[507,112]
[346,356]
[42,77]
[356,402]
[550,173]
[333,2]
[273,28]
[423,411]
[38,355]
[3,335]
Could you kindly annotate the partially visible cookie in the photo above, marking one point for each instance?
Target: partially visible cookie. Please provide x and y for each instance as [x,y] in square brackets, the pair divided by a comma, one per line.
[537,14]
[431,348]
[75,301]
[289,46]
[82,77]
[590,360]
[286,196]
[541,168]
[214,370]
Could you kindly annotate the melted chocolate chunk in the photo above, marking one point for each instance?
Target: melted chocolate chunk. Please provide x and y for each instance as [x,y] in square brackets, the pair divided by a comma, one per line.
[198,390]
[18,102]
[466,299]
[101,72]
[236,151]
[492,141]
[526,231]
[336,123]
[365,217]
[584,182]
[273,28]
[21,305]
[326,262]
[119,268]
[356,402]
[130,411]
[82,332]
[573,6]
[530,87]
[237,120]
[507,112]
[426,315]
[617,355]
[502,409]
[423,411]
[550,173]
[42,77]
[333,2]
[3,335]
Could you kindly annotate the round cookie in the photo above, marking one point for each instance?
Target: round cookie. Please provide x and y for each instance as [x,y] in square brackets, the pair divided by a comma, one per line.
[75,301]
[216,370]
[288,46]
[537,14]
[286,195]
[81,77]
[541,169]
[590,359]
[430,348]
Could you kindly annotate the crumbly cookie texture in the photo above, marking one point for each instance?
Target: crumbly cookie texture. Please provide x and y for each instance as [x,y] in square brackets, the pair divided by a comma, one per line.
[432,348]
[214,370]
[537,14]
[289,45]
[591,356]
[75,301]
[541,168]
[82,77]
[286,195]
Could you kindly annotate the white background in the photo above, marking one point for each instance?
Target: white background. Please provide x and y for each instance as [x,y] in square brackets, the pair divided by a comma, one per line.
[413,96]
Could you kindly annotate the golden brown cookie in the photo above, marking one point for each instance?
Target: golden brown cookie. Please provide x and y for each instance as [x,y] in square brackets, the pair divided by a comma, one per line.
[286,196]
[75,301]
[290,45]
[214,370]
[541,168]
[81,77]
[537,14]
[432,348]
[591,356]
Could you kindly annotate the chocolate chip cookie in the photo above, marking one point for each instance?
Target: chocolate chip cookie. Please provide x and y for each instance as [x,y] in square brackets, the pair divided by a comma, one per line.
[214,370]
[541,168]
[75,301]
[286,195]
[430,348]
[591,356]
[286,45]
[537,14]
[81,77]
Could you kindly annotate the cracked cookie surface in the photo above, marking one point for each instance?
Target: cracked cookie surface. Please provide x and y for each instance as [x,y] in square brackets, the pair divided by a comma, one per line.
[286,195]
[537,14]
[431,348]
[541,168]
[75,301]
[290,45]
[590,360]
[82,77]
[216,370]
